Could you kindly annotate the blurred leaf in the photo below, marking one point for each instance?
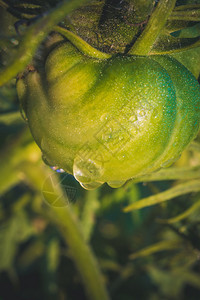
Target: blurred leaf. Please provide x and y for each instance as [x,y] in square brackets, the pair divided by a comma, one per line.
[8,181]
[8,98]
[195,146]
[180,189]
[31,253]
[35,34]
[173,173]
[108,264]
[160,246]
[183,215]
[126,272]
[171,282]
[119,196]
[9,118]
[20,149]
[90,207]
[13,232]
[53,255]
[190,12]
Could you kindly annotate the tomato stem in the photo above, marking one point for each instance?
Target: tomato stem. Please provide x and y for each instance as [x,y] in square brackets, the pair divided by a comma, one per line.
[157,21]
[81,45]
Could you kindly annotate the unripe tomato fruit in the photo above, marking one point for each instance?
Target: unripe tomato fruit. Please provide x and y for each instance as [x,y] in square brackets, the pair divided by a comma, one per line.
[110,120]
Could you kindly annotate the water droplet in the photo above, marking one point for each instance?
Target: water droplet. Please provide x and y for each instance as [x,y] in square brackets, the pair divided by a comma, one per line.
[168,163]
[57,169]
[104,117]
[91,186]
[121,156]
[23,114]
[132,118]
[141,113]
[87,170]
[116,184]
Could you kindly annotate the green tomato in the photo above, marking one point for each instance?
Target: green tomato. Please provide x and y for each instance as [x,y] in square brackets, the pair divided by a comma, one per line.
[110,120]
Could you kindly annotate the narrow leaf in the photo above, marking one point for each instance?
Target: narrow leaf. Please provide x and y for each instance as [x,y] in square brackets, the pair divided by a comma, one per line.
[180,189]
[181,216]
[186,13]
[34,36]
[160,246]
[173,173]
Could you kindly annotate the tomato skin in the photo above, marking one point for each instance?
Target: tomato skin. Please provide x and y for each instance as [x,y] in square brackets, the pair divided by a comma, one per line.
[110,120]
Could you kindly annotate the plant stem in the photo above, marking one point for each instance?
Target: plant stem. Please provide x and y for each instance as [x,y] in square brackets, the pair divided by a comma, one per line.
[81,45]
[34,36]
[155,25]
[81,254]
[64,217]
[3,4]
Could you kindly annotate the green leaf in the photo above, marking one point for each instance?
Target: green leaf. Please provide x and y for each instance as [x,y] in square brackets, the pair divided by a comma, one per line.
[12,155]
[160,246]
[53,255]
[11,117]
[178,34]
[190,12]
[180,189]
[171,282]
[90,207]
[195,146]
[190,59]
[173,173]
[35,34]
[183,215]
[8,180]
[188,32]
[168,44]
[12,233]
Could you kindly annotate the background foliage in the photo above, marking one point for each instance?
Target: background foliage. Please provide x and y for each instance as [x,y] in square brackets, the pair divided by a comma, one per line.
[152,253]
